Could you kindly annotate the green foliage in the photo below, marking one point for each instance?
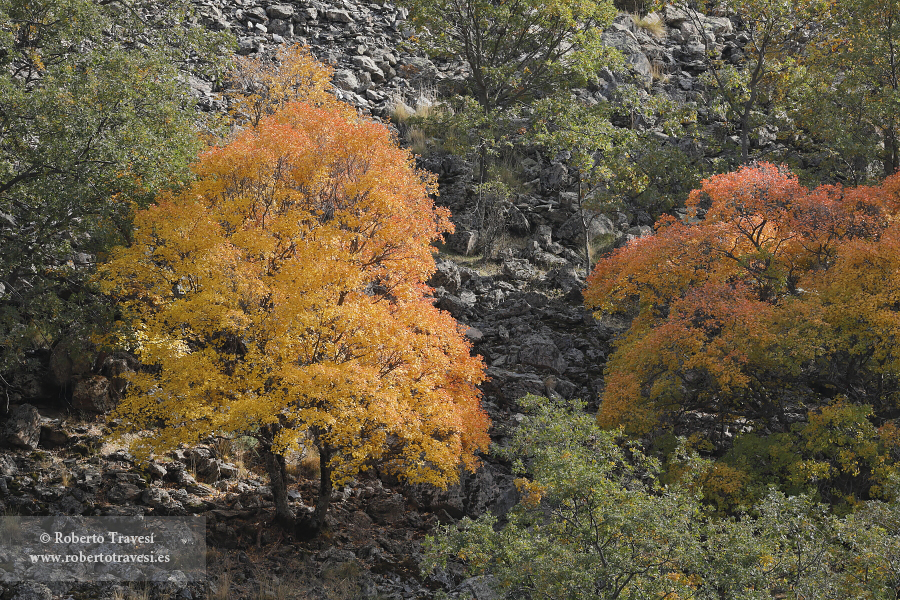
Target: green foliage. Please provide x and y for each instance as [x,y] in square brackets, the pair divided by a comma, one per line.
[516,50]
[595,522]
[838,457]
[618,163]
[750,92]
[852,89]
[592,522]
[94,116]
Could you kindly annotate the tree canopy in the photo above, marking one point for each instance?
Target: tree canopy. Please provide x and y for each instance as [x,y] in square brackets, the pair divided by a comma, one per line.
[281,295]
[95,114]
[595,521]
[516,50]
[773,294]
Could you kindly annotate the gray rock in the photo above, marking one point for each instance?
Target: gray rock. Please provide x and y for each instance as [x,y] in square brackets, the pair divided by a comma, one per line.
[447,276]
[123,492]
[257,14]
[457,306]
[508,386]
[367,64]
[8,466]
[566,279]
[306,14]
[518,269]
[346,80]
[554,177]
[517,222]
[540,352]
[161,502]
[482,587]
[249,45]
[31,590]
[280,27]
[338,16]
[546,259]
[602,234]
[156,470]
[463,242]
[486,490]
[719,25]
[280,11]
[474,334]
[53,435]
[385,511]
[623,40]
[418,68]
[70,505]
[23,427]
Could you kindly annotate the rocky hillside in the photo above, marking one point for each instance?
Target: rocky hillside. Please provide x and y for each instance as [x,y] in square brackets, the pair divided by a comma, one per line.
[523,312]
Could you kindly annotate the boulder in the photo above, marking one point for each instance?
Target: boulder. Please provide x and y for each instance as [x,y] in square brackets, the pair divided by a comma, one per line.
[122,492]
[280,11]
[367,64]
[93,395]
[518,269]
[346,80]
[338,15]
[540,352]
[53,435]
[463,242]
[457,306]
[602,233]
[8,466]
[23,428]
[447,276]
[281,27]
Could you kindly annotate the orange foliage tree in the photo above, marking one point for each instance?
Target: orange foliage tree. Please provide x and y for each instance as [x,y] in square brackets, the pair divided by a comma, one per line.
[281,295]
[770,292]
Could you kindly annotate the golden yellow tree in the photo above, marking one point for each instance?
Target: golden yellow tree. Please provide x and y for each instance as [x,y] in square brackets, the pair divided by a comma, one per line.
[282,296]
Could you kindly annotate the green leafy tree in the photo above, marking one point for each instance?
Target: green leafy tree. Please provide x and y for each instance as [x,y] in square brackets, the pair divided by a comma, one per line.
[853,92]
[519,49]
[95,114]
[594,521]
[776,33]
[614,165]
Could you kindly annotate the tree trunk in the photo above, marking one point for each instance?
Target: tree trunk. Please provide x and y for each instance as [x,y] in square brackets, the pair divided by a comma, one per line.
[584,229]
[325,487]
[275,465]
[892,151]
[276,468]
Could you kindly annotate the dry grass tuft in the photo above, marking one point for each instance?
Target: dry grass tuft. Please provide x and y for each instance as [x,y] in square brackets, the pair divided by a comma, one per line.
[652,24]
